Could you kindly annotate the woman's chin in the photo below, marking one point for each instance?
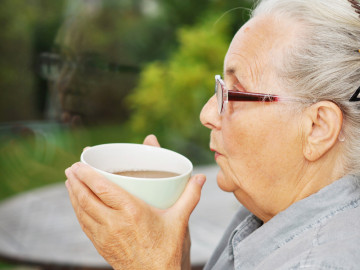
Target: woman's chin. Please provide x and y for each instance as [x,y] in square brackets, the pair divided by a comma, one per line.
[223,182]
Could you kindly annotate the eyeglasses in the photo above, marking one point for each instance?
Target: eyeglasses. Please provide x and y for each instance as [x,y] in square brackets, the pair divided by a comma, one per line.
[223,96]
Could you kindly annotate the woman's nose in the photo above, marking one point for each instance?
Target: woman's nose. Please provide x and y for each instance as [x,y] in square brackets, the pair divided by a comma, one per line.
[209,115]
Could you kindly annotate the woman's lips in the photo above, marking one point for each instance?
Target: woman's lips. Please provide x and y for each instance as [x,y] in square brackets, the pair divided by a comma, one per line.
[217,154]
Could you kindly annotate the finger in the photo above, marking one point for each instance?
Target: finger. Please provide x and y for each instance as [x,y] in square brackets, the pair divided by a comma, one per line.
[86,222]
[190,197]
[151,140]
[90,227]
[108,192]
[86,200]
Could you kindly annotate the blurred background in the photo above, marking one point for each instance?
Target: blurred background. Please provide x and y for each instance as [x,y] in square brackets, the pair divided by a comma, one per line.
[76,73]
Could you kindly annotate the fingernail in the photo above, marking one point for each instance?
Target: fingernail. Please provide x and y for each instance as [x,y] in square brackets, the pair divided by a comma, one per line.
[67,184]
[200,179]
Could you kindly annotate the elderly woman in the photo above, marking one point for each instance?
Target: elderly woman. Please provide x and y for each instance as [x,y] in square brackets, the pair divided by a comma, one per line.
[285,125]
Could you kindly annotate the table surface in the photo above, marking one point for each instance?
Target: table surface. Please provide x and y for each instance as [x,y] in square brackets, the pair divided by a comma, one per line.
[40,226]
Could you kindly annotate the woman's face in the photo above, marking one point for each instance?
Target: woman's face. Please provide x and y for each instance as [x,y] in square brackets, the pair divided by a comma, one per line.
[256,145]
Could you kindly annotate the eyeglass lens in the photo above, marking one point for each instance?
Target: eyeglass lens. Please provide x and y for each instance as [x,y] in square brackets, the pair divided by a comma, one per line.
[220,95]
[218,92]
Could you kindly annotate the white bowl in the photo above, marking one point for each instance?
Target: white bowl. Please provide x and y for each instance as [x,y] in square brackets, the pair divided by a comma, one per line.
[159,192]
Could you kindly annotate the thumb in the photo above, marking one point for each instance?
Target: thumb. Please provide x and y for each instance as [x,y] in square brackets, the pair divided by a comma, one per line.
[190,197]
[151,140]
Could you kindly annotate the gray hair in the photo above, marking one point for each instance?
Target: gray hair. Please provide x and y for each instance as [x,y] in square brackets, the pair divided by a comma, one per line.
[324,64]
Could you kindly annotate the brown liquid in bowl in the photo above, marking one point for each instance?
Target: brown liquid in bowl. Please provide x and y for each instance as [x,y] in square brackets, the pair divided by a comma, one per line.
[147,174]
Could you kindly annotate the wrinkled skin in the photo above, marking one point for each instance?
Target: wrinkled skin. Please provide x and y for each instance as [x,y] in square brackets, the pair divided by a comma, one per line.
[126,231]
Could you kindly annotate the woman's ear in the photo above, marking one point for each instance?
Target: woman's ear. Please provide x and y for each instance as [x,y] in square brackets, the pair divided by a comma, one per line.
[322,124]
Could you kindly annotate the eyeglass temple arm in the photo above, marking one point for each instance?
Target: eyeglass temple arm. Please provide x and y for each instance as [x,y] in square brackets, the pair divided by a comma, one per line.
[238,96]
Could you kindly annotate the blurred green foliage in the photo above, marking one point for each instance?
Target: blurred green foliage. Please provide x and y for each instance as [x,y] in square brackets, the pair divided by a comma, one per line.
[178,45]
[39,154]
[22,31]
[170,94]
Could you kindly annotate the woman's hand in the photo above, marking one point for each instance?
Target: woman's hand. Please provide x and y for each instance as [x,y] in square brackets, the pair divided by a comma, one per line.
[126,231]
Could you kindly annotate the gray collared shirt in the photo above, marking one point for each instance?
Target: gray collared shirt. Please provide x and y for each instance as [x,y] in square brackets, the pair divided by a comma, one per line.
[321,231]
